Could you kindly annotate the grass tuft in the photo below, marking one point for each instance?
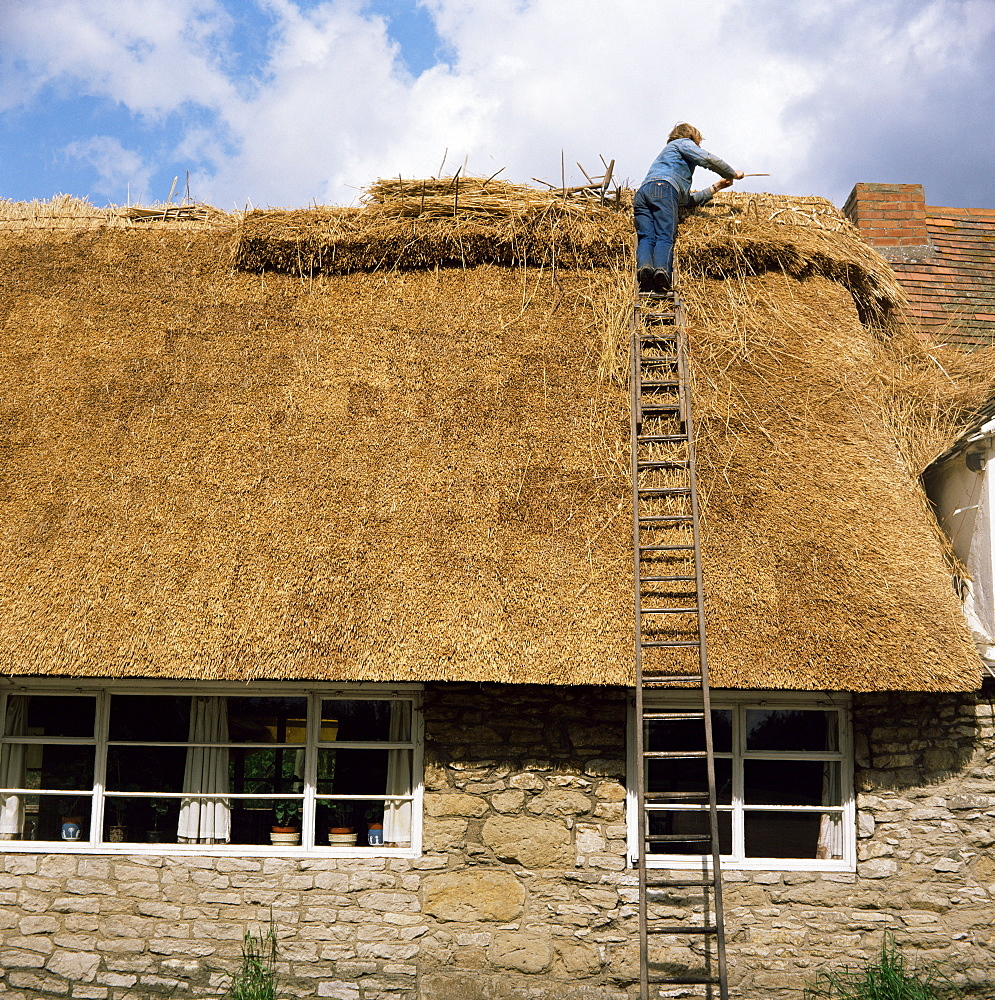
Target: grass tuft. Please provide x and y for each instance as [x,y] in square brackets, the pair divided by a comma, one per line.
[256,977]
[888,977]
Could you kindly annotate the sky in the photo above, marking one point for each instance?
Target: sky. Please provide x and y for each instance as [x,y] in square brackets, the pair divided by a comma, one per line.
[287,103]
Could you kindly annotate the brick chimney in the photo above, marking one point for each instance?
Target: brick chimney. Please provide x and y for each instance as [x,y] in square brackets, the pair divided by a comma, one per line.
[889,216]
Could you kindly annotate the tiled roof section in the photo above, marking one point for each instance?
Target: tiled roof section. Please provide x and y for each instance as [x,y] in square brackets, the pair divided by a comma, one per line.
[952,288]
[943,257]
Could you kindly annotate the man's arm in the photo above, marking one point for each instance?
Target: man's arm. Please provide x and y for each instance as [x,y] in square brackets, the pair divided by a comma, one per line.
[704,196]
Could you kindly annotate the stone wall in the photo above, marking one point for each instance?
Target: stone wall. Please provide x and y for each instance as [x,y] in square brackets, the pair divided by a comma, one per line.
[522,889]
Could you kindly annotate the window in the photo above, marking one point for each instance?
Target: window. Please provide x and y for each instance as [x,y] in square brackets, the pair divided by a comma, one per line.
[278,769]
[783,772]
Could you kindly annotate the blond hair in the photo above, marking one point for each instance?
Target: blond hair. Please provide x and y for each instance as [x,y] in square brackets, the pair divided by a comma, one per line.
[684,131]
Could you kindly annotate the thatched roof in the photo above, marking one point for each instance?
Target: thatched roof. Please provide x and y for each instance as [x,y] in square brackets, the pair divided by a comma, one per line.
[402,472]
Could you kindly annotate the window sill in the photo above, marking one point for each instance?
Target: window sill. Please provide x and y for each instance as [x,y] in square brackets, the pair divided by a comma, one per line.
[752,865]
[202,850]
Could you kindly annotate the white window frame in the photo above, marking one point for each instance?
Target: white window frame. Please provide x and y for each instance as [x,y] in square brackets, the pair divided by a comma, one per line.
[314,692]
[739,702]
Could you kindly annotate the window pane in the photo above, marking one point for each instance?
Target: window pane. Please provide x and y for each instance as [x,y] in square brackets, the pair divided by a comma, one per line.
[49,715]
[793,835]
[50,766]
[791,730]
[691,825]
[792,782]
[267,720]
[145,769]
[677,733]
[140,820]
[365,720]
[252,821]
[266,771]
[675,775]
[357,772]
[53,817]
[371,823]
[150,719]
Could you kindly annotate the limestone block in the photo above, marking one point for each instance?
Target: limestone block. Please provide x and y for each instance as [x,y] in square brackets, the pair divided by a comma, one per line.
[580,959]
[444,834]
[11,958]
[610,811]
[456,804]
[560,802]
[391,901]
[590,838]
[74,942]
[527,781]
[508,802]
[37,942]
[878,868]
[38,925]
[473,895]
[532,843]
[80,966]
[38,983]
[529,951]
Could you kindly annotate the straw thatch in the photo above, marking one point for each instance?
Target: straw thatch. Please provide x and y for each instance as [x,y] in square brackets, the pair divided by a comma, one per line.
[402,474]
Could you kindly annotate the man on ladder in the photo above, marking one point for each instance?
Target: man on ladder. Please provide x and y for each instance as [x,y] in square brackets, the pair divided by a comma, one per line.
[665,190]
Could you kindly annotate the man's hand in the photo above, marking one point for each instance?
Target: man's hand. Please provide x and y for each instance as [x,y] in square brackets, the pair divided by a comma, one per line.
[722,183]
[738,175]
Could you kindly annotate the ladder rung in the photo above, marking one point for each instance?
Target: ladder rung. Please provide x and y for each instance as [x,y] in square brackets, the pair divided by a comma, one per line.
[677,838]
[671,645]
[673,715]
[708,929]
[659,385]
[667,579]
[668,491]
[681,883]
[676,796]
[668,611]
[685,981]
[673,463]
[675,755]
[662,438]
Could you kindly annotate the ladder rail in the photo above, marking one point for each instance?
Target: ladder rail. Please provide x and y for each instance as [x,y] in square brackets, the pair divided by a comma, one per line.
[681,412]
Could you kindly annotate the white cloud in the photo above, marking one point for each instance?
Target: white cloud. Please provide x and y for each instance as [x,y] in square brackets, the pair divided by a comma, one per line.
[122,173]
[774,86]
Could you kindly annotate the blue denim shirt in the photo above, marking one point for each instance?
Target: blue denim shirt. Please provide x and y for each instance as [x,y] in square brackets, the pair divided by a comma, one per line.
[676,164]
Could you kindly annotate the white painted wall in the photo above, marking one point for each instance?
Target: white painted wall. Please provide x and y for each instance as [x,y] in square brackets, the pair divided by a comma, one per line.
[965,504]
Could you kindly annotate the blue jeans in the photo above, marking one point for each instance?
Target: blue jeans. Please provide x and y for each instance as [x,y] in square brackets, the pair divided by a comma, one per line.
[655,210]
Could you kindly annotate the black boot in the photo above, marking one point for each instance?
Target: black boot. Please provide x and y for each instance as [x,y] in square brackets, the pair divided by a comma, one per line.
[661,281]
[645,278]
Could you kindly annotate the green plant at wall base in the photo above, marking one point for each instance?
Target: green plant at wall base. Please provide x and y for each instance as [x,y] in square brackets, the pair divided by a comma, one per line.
[886,977]
[256,977]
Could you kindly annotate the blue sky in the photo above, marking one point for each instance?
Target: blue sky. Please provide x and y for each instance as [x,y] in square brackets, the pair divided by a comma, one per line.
[289,102]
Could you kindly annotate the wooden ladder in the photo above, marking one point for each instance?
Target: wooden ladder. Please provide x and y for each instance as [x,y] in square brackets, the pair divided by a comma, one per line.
[671,653]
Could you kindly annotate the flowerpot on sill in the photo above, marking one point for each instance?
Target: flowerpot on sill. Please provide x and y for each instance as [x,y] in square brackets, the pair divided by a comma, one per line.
[374,834]
[71,827]
[117,834]
[285,836]
[341,836]
[154,836]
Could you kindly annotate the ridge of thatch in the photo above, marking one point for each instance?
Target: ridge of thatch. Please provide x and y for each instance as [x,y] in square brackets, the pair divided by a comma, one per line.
[68,212]
[421,475]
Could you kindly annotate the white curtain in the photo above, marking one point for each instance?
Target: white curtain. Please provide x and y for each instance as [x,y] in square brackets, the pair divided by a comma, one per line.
[831,825]
[206,821]
[12,773]
[397,815]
